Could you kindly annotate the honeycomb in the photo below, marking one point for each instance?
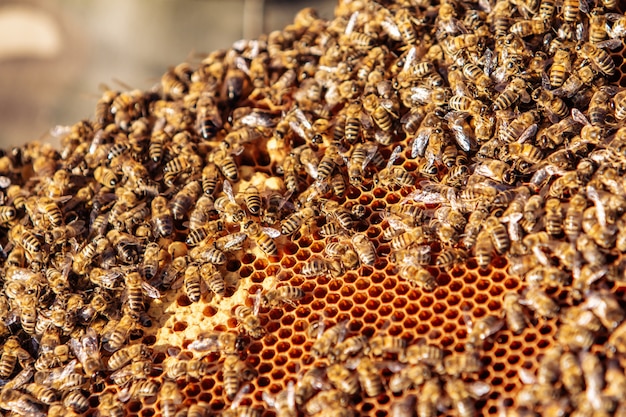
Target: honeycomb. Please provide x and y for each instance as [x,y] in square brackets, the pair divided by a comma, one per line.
[411,209]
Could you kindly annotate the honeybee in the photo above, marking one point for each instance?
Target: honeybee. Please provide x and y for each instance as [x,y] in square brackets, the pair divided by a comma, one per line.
[369,377]
[361,156]
[285,294]
[329,338]
[231,369]
[222,158]
[263,236]
[536,299]
[524,28]
[105,176]
[418,276]
[191,283]
[135,288]
[211,276]
[381,111]
[192,368]
[25,239]
[227,205]
[249,320]
[430,396]
[125,355]
[496,170]
[466,104]
[483,249]
[87,352]
[364,248]
[141,388]
[599,58]
[210,177]
[515,317]
[109,406]
[230,242]
[12,353]
[150,263]
[329,162]
[183,200]
[382,344]
[224,342]
[555,106]
[571,373]
[295,220]
[162,217]
[137,370]
[463,394]
[343,379]
[482,329]
[606,308]
[394,175]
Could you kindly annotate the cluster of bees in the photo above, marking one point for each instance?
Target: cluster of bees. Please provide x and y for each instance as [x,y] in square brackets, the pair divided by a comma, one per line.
[497,123]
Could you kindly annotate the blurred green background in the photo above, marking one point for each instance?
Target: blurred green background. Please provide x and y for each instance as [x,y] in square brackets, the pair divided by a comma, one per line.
[55,53]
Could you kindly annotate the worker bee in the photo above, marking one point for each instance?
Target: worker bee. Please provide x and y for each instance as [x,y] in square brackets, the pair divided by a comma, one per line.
[606,308]
[384,343]
[87,352]
[599,58]
[327,339]
[249,320]
[223,159]
[150,263]
[191,283]
[571,373]
[483,249]
[252,199]
[127,354]
[555,106]
[192,368]
[329,161]
[418,276]
[12,353]
[210,177]
[183,200]
[285,294]
[231,370]
[105,176]
[463,363]
[463,394]
[515,317]
[227,205]
[361,156]
[430,396]
[524,28]
[138,370]
[369,377]
[394,175]
[482,329]
[554,217]
[141,388]
[230,242]
[26,239]
[135,288]
[109,406]
[162,217]
[343,379]
[292,223]
[76,401]
[263,236]
[211,276]
[409,376]
[381,111]
[536,299]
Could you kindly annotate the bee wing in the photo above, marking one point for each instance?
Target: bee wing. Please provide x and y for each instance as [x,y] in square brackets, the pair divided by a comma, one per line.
[239,396]
[240,63]
[371,152]
[235,241]
[578,116]
[351,23]
[584,6]
[228,190]
[592,193]
[420,142]
[478,389]
[123,373]
[610,44]
[258,119]
[528,133]
[5,182]
[490,62]
[394,155]
[150,290]
[271,232]
[420,94]
[390,27]
[257,302]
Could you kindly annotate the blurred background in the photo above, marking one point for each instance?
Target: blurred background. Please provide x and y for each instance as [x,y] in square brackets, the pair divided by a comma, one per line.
[55,53]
